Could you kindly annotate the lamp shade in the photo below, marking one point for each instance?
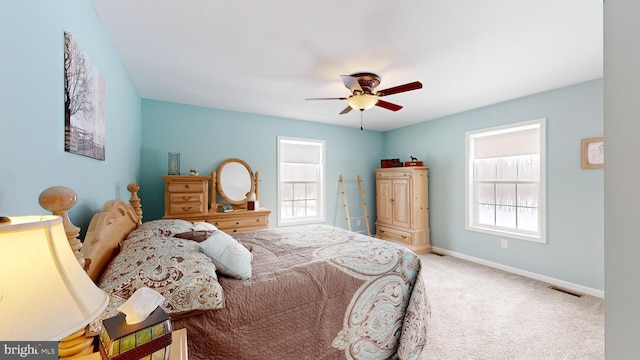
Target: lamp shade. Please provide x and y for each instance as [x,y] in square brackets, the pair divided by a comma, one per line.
[362,101]
[44,292]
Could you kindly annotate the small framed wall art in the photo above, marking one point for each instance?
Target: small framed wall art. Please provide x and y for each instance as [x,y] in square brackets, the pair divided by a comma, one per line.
[593,153]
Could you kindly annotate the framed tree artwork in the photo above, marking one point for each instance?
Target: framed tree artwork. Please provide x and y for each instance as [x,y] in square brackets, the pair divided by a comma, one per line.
[593,153]
[84,89]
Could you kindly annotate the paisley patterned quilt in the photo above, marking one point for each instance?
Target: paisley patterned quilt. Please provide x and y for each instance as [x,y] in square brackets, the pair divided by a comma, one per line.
[317,292]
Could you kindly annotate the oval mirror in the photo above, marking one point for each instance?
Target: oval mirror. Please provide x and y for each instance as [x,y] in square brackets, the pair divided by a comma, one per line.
[235,181]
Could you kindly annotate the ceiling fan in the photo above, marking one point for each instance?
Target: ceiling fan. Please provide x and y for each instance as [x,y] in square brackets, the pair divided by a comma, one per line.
[363,94]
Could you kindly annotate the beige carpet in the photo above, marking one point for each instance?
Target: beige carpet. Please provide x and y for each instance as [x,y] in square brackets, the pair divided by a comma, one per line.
[482,313]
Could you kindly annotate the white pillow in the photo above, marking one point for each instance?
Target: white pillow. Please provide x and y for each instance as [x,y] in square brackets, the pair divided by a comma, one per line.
[204,226]
[230,257]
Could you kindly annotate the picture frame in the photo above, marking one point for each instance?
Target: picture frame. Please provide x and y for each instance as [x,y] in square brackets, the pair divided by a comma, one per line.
[593,153]
[84,100]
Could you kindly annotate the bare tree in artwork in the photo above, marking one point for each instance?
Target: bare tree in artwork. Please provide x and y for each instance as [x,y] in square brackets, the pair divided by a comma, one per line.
[84,103]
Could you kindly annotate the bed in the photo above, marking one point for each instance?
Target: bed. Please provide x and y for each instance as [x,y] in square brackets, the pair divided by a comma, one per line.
[314,292]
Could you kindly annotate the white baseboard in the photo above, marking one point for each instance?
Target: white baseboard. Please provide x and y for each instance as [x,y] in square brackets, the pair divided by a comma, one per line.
[553,281]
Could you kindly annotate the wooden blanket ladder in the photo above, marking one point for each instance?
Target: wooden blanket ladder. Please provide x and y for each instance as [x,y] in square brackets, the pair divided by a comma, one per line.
[350,200]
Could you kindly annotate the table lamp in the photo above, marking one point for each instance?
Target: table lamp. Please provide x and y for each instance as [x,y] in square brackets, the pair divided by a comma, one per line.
[45,295]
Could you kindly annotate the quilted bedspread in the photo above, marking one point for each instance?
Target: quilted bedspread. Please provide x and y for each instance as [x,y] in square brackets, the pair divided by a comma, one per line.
[317,292]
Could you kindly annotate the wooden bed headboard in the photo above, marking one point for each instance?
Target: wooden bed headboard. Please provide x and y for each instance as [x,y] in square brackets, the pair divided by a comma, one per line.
[106,231]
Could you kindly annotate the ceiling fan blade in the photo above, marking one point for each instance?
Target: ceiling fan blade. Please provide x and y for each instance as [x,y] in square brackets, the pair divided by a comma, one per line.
[334,98]
[351,83]
[400,88]
[388,105]
[346,110]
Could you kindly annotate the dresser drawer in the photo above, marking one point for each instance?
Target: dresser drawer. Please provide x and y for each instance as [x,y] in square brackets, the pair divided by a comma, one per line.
[258,222]
[235,229]
[393,175]
[181,198]
[193,207]
[386,233]
[187,187]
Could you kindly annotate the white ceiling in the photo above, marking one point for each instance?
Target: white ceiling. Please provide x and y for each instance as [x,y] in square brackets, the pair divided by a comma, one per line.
[267,56]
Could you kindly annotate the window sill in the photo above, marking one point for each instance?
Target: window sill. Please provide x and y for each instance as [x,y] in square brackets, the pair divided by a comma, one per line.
[508,234]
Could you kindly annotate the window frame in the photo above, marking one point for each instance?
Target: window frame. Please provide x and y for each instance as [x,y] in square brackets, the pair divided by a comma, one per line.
[320,217]
[471,219]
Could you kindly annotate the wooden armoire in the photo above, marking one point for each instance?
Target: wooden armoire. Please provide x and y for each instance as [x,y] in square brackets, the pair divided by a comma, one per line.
[402,198]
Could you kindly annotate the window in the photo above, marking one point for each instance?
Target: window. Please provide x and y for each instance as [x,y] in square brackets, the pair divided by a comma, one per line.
[300,181]
[505,180]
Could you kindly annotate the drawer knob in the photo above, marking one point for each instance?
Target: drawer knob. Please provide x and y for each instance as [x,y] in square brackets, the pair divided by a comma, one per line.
[186,186]
[404,236]
[186,208]
[381,231]
[186,198]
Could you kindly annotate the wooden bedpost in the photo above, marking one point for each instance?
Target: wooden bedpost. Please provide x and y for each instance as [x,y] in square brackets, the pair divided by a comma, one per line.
[135,200]
[58,200]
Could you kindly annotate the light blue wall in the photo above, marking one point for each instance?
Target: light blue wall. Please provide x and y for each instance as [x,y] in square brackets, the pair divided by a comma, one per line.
[205,137]
[575,205]
[32,109]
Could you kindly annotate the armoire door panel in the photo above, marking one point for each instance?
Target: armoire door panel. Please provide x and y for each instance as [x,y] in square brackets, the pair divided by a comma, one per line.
[401,203]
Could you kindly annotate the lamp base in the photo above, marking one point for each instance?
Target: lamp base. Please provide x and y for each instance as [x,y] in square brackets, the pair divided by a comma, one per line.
[75,345]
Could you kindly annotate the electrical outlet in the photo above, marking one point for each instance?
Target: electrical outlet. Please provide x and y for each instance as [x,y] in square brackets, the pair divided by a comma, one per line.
[504,243]
[358,222]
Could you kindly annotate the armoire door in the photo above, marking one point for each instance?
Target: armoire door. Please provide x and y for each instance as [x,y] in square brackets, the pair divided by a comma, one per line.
[402,203]
[384,195]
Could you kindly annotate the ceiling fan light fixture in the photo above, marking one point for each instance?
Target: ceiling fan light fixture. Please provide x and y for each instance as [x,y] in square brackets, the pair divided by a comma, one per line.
[362,101]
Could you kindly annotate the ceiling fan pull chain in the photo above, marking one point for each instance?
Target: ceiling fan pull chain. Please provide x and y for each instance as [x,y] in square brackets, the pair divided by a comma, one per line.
[361,111]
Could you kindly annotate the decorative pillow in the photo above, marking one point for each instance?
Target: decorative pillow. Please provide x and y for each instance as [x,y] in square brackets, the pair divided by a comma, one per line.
[164,227]
[203,225]
[201,235]
[173,267]
[111,310]
[195,235]
[230,257]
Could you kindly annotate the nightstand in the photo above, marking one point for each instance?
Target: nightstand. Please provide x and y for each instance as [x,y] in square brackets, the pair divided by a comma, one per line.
[179,345]
[178,348]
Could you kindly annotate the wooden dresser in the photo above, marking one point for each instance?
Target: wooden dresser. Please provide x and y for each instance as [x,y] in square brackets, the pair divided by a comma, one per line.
[187,197]
[402,199]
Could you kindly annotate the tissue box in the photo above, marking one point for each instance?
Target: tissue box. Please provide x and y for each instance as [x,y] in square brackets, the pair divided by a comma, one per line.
[148,340]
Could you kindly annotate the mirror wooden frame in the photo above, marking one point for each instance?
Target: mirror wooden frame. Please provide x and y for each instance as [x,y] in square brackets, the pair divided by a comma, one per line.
[218,185]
